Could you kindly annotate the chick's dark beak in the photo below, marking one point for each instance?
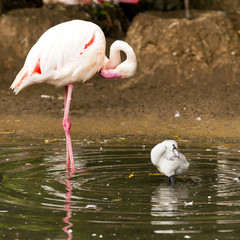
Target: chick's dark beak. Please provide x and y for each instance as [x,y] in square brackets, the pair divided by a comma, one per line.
[175,151]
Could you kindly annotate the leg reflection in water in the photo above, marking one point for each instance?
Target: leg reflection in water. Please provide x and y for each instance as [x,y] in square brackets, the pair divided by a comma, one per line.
[67,207]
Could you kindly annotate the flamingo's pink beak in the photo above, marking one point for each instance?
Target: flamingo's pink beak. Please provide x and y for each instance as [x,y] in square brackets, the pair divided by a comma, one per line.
[110,74]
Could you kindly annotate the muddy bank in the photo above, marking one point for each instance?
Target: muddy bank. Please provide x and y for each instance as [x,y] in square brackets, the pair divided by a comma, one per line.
[147,129]
[145,105]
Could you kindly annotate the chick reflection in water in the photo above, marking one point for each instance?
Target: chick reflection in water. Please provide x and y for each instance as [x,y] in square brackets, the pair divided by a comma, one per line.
[168,160]
[167,200]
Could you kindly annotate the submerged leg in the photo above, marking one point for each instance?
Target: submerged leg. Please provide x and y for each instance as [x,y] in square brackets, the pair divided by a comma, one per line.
[172,180]
[67,125]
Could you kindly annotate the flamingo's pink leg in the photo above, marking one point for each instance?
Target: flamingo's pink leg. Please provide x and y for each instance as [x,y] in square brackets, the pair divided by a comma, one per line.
[65,95]
[67,125]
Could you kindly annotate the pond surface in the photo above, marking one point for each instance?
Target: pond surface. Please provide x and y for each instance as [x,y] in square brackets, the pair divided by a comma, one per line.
[113,196]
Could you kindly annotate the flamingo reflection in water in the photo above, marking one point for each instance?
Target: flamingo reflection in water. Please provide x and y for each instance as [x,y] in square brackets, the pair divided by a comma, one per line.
[67,207]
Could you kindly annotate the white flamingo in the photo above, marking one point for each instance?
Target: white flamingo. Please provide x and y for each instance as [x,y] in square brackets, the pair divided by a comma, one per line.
[72,52]
[168,160]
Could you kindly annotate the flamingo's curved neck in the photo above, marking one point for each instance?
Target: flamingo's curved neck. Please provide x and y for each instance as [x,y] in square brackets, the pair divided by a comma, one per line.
[115,57]
[113,67]
[158,152]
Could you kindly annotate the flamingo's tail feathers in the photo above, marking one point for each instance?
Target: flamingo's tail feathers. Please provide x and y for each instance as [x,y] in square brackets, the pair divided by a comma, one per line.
[19,79]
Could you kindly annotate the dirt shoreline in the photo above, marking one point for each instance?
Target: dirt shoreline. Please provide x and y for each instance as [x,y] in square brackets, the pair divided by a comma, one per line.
[142,129]
[199,79]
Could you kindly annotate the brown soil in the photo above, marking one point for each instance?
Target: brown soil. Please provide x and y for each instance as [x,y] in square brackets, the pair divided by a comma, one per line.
[142,107]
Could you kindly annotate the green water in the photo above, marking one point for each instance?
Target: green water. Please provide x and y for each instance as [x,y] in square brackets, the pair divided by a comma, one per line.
[39,200]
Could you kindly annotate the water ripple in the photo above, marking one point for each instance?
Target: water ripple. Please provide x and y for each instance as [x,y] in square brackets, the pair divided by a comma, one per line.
[40,199]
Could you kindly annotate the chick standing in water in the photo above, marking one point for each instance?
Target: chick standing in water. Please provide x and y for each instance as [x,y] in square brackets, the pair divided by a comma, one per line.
[168,160]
